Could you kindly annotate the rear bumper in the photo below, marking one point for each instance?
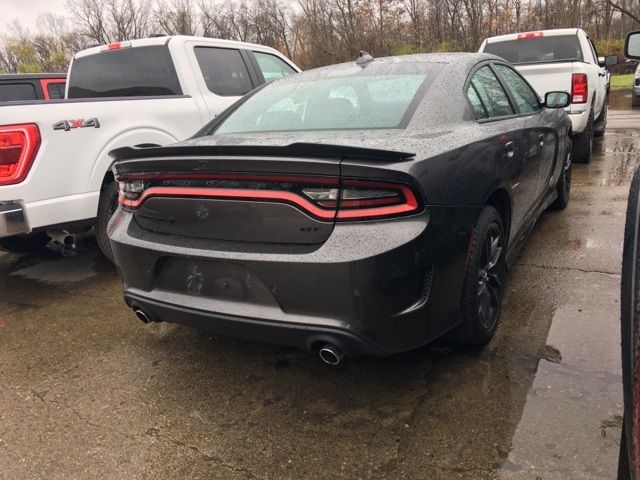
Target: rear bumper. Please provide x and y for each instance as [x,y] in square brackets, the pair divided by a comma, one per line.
[304,336]
[578,121]
[375,287]
[13,220]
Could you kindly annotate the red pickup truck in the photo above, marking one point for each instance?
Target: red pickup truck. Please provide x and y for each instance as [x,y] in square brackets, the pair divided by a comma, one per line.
[32,86]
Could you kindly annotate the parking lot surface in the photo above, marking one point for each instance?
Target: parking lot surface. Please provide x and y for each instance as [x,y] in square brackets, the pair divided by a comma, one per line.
[87,391]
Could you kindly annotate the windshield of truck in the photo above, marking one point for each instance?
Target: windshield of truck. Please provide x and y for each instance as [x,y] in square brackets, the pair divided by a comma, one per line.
[124,72]
[537,49]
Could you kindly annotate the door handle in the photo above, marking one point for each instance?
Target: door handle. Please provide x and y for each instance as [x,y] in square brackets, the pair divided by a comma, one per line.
[541,140]
[601,74]
[510,149]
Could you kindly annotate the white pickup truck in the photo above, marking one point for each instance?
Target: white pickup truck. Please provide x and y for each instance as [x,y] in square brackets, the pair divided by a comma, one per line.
[563,59]
[55,168]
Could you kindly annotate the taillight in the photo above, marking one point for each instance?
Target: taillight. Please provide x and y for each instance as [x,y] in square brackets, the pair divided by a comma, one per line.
[323,198]
[579,88]
[19,145]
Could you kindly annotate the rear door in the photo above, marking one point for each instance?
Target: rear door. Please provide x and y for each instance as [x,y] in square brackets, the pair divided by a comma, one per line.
[541,138]
[224,75]
[498,116]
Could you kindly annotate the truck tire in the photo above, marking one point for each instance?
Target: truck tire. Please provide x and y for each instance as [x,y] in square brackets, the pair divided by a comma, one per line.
[24,243]
[106,207]
[635,100]
[601,121]
[583,143]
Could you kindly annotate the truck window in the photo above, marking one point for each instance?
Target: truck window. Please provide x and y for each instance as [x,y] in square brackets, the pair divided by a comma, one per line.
[272,67]
[491,93]
[125,72]
[537,49]
[224,71]
[526,99]
[17,91]
[55,90]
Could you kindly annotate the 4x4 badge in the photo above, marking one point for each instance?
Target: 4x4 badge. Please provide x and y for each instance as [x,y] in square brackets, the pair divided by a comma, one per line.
[67,125]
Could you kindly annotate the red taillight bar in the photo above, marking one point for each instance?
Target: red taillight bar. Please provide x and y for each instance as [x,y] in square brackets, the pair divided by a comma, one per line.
[19,145]
[359,209]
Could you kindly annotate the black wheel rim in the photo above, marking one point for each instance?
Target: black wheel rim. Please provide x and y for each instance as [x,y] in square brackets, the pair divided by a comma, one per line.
[490,278]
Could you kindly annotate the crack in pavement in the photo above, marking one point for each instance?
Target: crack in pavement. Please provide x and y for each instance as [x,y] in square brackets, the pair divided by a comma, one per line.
[566,269]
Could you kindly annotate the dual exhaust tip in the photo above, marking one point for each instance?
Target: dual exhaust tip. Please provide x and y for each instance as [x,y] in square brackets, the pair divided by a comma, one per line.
[328,353]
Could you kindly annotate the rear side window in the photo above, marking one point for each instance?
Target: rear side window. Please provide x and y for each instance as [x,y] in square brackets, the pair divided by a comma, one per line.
[55,91]
[491,94]
[126,72]
[17,91]
[537,49]
[224,71]
[526,99]
[476,103]
[272,67]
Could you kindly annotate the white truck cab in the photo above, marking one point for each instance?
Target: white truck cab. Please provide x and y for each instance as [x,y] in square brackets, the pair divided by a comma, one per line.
[562,59]
[55,168]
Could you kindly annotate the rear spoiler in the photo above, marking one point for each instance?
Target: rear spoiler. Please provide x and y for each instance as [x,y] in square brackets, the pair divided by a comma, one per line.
[316,150]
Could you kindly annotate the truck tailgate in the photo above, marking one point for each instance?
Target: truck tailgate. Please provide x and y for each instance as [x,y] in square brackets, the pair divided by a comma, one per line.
[547,77]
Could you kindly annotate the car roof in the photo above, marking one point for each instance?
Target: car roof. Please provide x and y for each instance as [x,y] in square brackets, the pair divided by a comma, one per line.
[31,76]
[181,39]
[546,33]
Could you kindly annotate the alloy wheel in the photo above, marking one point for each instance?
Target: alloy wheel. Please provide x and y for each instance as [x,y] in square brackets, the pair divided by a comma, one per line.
[489,278]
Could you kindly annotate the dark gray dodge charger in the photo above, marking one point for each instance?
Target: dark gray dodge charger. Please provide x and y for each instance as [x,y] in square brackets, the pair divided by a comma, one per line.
[362,208]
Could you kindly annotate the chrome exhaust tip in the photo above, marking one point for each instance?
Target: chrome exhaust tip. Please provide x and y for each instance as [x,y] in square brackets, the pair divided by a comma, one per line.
[142,316]
[331,355]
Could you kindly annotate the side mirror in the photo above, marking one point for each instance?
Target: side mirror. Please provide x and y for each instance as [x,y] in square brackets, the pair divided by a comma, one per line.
[611,60]
[557,100]
[632,45]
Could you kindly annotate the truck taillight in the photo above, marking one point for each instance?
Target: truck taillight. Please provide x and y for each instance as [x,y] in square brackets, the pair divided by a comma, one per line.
[19,145]
[579,88]
[324,198]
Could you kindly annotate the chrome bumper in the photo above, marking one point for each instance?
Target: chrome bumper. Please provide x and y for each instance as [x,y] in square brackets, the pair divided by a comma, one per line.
[13,220]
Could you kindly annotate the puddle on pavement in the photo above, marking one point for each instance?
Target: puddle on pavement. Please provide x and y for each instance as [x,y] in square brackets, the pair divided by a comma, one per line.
[49,268]
[620,99]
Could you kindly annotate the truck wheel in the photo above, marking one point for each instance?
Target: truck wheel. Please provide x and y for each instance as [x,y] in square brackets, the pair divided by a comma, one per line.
[583,143]
[106,207]
[635,100]
[25,243]
[483,285]
[601,121]
[563,187]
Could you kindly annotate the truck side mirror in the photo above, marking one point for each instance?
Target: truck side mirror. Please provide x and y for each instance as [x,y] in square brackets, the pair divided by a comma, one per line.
[610,60]
[632,45]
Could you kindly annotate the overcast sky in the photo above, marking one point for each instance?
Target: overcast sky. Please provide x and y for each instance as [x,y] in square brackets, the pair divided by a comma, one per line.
[27,11]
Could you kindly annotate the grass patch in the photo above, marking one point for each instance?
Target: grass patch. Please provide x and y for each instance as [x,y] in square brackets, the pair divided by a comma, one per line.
[621,81]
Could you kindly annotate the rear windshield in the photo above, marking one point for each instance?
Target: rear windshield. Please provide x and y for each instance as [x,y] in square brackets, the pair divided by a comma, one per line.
[343,102]
[137,71]
[537,49]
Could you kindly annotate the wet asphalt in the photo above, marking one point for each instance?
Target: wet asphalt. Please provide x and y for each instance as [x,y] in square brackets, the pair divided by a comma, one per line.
[87,391]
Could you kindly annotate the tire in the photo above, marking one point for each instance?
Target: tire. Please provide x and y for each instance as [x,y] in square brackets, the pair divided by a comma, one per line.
[106,207]
[624,468]
[563,187]
[601,121]
[583,143]
[635,101]
[483,286]
[25,243]
[630,320]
